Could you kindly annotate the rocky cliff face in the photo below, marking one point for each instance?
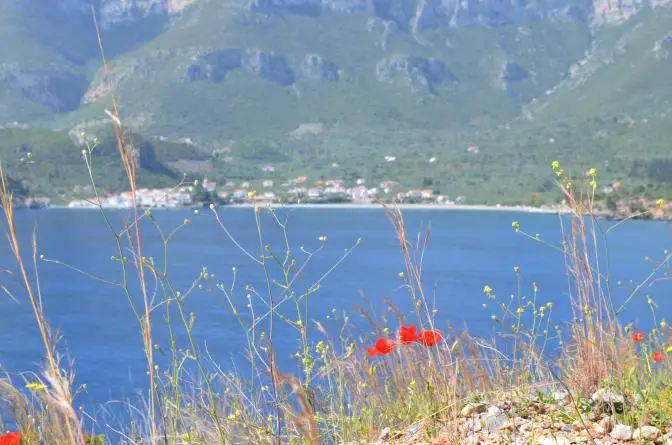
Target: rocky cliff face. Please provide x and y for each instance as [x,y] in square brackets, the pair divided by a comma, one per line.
[423,14]
[58,90]
[117,11]
[414,14]
[276,68]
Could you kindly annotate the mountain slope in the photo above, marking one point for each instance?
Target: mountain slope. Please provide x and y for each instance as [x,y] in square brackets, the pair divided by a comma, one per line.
[312,84]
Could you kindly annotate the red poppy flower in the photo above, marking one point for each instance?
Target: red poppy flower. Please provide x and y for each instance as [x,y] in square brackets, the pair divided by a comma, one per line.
[384,346]
[430,338]
[657,356]
[10,439]
[408,334]
[638,337]
[372,351]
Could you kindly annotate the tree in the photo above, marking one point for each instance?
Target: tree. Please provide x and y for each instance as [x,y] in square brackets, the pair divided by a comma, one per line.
[200,195]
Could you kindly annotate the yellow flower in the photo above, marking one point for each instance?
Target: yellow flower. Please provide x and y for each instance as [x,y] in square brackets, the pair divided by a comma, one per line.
[555,165]
[36,386]
[592,172]
[660,203]
[669,349]
[487,290]
[516,226]
[251,194]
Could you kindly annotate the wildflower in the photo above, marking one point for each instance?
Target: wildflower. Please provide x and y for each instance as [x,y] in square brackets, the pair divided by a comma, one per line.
[384,346]
[555,165]
[669,350]
[36,386]
[592,172]
[430,337]
[408,335]
[638,337]
[657,356]
[487,290]
[663,324]
[372,351]
[516,226]
[251,194]
[10,439]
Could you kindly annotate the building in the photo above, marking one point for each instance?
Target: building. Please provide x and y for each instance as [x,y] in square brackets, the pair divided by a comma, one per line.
[360,194]
[209,185]
[239,195]
[388,186]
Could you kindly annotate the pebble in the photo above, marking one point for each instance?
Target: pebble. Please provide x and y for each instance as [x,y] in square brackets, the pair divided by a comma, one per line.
[473,408]
[606,399]
[621,432]
[647,432]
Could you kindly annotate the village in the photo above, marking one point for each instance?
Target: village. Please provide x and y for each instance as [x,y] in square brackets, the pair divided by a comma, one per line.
[294,191]
[301,191]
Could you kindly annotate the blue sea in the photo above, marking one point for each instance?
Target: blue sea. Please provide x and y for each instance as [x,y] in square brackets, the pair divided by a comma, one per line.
[466,250]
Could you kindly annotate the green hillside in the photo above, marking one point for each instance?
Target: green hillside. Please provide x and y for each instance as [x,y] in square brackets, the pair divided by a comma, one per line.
[330,94]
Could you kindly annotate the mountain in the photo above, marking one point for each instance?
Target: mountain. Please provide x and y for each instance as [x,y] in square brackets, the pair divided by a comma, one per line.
[307,85]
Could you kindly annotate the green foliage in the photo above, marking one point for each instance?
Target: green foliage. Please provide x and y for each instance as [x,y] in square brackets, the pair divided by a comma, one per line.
[612,109]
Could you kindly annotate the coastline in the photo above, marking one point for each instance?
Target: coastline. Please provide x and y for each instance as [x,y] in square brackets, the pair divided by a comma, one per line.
[350,206]
[458,207]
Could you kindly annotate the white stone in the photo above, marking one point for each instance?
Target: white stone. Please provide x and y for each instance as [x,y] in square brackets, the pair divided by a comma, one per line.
[647,432]
[621,432]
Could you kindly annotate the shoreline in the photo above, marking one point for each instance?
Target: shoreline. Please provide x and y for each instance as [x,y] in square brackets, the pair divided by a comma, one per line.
[349,206]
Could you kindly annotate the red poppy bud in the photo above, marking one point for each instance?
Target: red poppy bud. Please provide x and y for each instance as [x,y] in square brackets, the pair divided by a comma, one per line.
[657,356]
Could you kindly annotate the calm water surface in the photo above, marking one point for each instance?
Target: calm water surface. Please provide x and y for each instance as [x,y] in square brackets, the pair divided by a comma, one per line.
[467,250]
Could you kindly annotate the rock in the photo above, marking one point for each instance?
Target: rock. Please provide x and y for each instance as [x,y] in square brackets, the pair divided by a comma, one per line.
[607,400]
[420,74]
[412,432]
[493,410]
[647,432]
[561,397]
[607,424]
[495,423]
[214,65]
[621,432]
[385,434]
[514,73]
[59,90]
[317,67]
[554,440]
[473,408]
